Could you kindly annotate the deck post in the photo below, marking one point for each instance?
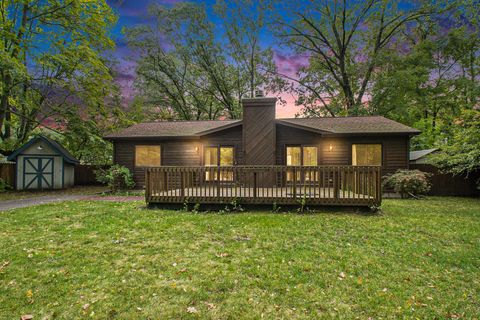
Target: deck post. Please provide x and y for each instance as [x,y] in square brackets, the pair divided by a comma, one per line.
[254,184]
[218,182]
[335,183]
[294,183]
[147,186]
[182,184]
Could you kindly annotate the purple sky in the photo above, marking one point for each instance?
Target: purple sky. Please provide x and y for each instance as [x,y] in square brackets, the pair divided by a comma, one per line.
[134,12]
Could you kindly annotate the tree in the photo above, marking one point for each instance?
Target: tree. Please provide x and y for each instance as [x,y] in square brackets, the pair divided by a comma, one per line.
[50,59]
[244,21]
[193,69]
[345,42]
[460,153]
[430,84]
[181,66]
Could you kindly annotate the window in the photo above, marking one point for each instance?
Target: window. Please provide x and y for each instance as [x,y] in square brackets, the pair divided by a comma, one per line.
[147,156]
[366,154]
[302,156]
[218,156]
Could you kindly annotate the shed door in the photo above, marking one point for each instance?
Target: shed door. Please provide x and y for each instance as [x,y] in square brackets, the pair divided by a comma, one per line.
[38,173]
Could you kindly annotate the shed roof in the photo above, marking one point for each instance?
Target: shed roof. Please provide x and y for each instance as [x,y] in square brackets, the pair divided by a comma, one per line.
[324,125]
[52,143]
[415,155]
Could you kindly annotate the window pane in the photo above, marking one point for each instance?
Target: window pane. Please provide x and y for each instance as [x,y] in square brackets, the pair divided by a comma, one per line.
[293,156]
[309,156]
[147,156]
[226,156]
[367,154]
[211,156]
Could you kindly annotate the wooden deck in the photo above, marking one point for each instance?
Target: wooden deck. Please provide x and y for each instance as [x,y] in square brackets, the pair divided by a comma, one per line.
[320,185]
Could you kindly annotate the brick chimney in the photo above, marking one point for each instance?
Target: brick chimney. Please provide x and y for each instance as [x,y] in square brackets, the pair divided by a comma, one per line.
[259,130]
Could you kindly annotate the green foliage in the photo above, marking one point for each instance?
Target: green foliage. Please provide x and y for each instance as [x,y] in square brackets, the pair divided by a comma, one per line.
[345,43]
[276,208]
[4,186]
[117,177]
[188,70]
[408,183]
[302,202]
[460,152]
[52,60]
[234,206]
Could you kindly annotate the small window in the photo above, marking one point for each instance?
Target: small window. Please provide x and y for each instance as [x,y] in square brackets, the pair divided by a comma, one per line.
[147,156]
[367,154]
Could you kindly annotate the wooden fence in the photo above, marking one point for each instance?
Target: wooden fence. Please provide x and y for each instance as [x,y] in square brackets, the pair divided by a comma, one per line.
[319,185]
[85,174]
[7,173]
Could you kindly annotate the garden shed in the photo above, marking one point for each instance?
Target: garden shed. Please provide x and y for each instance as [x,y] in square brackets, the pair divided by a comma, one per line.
[43,163]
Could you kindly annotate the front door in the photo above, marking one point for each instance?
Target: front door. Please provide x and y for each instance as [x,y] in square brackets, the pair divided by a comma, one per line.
[38,173]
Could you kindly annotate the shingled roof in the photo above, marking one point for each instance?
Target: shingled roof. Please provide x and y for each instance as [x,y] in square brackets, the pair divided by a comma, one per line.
[172,129]
[327,126]
[350,125]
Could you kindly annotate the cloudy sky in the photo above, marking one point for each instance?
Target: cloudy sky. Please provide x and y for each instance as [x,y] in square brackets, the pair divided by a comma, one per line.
[134,12]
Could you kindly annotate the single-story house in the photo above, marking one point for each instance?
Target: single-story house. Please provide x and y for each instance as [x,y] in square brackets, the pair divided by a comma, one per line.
[43,163]
[260,139]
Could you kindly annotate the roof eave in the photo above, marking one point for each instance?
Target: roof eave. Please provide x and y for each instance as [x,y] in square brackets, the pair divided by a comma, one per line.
[151,138]
[384,133]
[221,128]
[298,126]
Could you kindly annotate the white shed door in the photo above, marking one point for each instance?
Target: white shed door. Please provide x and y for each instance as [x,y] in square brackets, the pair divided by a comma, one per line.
[38,173]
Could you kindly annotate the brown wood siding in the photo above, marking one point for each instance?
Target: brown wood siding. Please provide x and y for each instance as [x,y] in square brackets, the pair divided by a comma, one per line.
[292,136]
[173,152]
[394,148]
[229,137]
[259,135]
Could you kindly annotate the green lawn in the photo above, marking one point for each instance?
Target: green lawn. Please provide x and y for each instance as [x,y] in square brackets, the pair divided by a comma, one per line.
[104,260]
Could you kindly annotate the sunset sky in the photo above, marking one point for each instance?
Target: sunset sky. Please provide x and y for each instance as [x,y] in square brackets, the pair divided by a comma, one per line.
[134,12]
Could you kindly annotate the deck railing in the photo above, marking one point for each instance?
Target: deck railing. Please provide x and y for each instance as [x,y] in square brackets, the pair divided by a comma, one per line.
[318,185]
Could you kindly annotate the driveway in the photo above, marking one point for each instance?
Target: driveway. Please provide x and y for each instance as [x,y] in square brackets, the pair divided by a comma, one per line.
[28,202]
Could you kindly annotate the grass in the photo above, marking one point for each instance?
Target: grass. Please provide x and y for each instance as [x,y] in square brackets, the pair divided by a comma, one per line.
[106,260]
[15,195]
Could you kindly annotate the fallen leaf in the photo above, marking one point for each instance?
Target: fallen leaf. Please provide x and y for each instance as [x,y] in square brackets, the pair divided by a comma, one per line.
[4,265]
[27,317]
[221,255]
[360,280]
[210,306]
[192,310]
[342,275]
[86,306]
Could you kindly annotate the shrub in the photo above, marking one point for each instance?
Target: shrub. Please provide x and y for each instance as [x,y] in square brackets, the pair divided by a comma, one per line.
[117,177]
[409,183]
[4,186]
